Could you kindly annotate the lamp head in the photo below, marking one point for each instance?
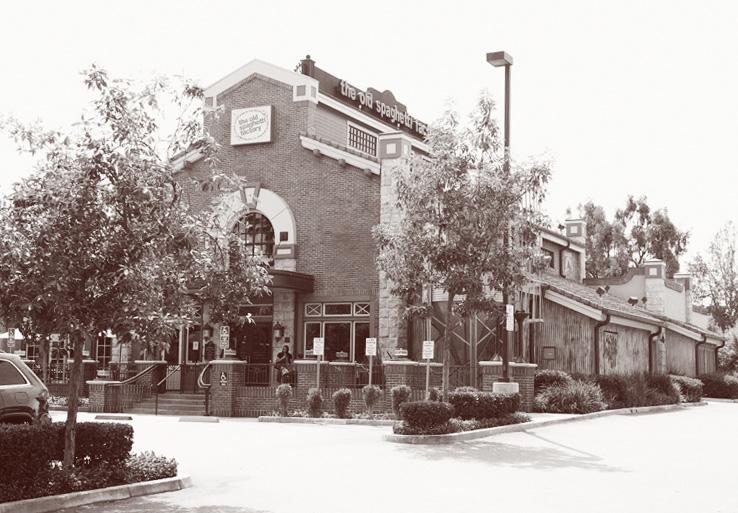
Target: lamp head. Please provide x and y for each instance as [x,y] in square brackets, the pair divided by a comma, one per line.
[633,300]
[498,59]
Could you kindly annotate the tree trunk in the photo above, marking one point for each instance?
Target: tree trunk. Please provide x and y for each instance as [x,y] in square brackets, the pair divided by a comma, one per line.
[74,382]
[45,349]
[446,376]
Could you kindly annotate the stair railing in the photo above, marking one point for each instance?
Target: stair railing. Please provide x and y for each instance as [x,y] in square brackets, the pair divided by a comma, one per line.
[131,391]
[159,384]
[205,386]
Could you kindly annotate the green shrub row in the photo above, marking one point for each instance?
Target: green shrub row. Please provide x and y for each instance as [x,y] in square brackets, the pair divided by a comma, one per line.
[469,403]
[456,425]
[29,449]
[559,392]
[720,385]
[56,480]
[426,415]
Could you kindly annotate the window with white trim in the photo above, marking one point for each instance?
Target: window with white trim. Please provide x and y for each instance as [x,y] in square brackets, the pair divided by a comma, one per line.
[344,326]
[360,139]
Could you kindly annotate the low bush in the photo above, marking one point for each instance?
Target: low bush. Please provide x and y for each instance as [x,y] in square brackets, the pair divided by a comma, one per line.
[147,466]
[574,397]
[434,394]
[341,402]
[372,394]
[469,403]
[284,394]
[689,388]
[635,389]
[26,449]
[314,402]
[400,394]
[548,377]
[719,385]
[661,390]
[457,425]
[425,415]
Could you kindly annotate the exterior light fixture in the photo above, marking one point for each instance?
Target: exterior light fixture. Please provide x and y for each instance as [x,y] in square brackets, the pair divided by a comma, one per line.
[601,291]
[633,300]
[278,331]
[207,332]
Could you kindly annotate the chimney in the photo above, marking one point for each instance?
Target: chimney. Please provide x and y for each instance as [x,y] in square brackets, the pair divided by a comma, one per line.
[576,230]
[307,66]
[685,280]
[655,286]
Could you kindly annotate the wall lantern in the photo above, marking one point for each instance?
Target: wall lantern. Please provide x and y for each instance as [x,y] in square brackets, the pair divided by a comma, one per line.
[278,331]
[207,332]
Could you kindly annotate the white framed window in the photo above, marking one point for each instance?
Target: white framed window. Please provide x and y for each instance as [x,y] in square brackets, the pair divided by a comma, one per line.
[104,351]
[361,139]
[344,326]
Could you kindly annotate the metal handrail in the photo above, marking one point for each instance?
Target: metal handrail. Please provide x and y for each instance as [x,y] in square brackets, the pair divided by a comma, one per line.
[205,386]
[138,376]
[156,388]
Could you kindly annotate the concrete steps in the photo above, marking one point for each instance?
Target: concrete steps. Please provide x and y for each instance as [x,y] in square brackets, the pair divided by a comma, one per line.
[172,403]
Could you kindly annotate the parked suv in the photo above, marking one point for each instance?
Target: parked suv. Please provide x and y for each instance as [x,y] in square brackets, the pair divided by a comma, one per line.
[23,396]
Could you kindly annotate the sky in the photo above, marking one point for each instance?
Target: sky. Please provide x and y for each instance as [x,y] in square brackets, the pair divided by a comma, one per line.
[625,98]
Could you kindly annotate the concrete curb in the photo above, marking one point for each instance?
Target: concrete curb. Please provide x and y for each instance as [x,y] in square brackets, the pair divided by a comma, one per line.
[511,428]
[114,493]
[320,420]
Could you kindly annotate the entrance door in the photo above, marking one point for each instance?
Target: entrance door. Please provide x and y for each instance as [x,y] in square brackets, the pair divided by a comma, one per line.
[253,342]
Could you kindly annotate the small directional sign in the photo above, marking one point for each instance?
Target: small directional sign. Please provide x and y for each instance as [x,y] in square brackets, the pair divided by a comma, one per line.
[428,349]
[371,347]
[318,346]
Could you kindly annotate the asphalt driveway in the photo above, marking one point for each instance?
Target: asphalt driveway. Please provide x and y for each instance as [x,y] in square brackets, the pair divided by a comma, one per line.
[677,461]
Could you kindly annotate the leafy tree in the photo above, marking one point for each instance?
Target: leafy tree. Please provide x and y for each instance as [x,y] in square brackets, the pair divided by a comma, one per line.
[716,278]
[465,227]
[99,236]
[651,234]
[635,234]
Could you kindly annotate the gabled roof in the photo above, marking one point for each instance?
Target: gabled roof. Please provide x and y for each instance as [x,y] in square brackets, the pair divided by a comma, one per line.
[612,305]
[262,68]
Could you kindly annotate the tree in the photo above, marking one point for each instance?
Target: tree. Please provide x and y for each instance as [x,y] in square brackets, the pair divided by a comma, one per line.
[465,227]
[716,278]
[651,234]
[636,233]
[99,237]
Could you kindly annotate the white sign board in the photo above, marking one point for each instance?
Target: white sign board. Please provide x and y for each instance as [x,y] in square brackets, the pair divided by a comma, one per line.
[252,125]
[225,335]
[371,347]
[55,337]
[428,349]
[318,346]
[510,318]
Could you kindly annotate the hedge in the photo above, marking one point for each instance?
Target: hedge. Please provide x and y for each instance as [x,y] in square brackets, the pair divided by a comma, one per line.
[473,404]
[690,388]
[425,415]
[719,385]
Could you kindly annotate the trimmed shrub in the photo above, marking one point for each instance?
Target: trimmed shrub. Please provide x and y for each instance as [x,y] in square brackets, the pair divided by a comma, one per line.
[434,394]
[284,394]
[456,425]
[719,385]
[425,415]
[469,403]
[548,377]
[147,466]
[574,397]
[341,402]
[689,388]
[314,402]
[100,442]
[26,449]
[661,390]
[371,394]
[400,394]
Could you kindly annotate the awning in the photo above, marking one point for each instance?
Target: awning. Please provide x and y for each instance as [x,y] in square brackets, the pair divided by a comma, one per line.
[292,280]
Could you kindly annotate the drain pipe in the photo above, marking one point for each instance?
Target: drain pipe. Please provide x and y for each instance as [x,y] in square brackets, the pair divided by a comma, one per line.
[651,340]
[697,355]
[561,259]
[718,348]
[597,341]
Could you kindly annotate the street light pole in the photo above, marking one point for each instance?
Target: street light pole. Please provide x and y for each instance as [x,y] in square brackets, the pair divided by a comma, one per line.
[498,59]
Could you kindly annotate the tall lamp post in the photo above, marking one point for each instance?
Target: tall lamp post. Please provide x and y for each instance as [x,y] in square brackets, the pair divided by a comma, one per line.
[503,59]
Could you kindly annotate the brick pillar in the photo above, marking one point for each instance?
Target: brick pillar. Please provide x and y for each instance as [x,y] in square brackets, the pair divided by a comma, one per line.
[524,375]
[97,396]
[226,377]
[521,373]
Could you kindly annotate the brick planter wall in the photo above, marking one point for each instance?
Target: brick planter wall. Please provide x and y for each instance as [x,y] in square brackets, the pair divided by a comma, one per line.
[521,373]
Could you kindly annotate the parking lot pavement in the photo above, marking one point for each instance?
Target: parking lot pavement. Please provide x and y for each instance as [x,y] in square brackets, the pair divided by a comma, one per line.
[677,461]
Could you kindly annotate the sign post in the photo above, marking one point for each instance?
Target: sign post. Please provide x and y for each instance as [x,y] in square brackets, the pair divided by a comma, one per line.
[428,350]
[318,349]
[371,352]
[225,335]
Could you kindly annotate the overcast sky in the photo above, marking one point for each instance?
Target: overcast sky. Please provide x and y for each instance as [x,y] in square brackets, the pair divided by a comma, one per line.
[627,97]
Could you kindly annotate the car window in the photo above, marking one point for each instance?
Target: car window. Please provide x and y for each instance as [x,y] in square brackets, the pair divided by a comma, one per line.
[10,375]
